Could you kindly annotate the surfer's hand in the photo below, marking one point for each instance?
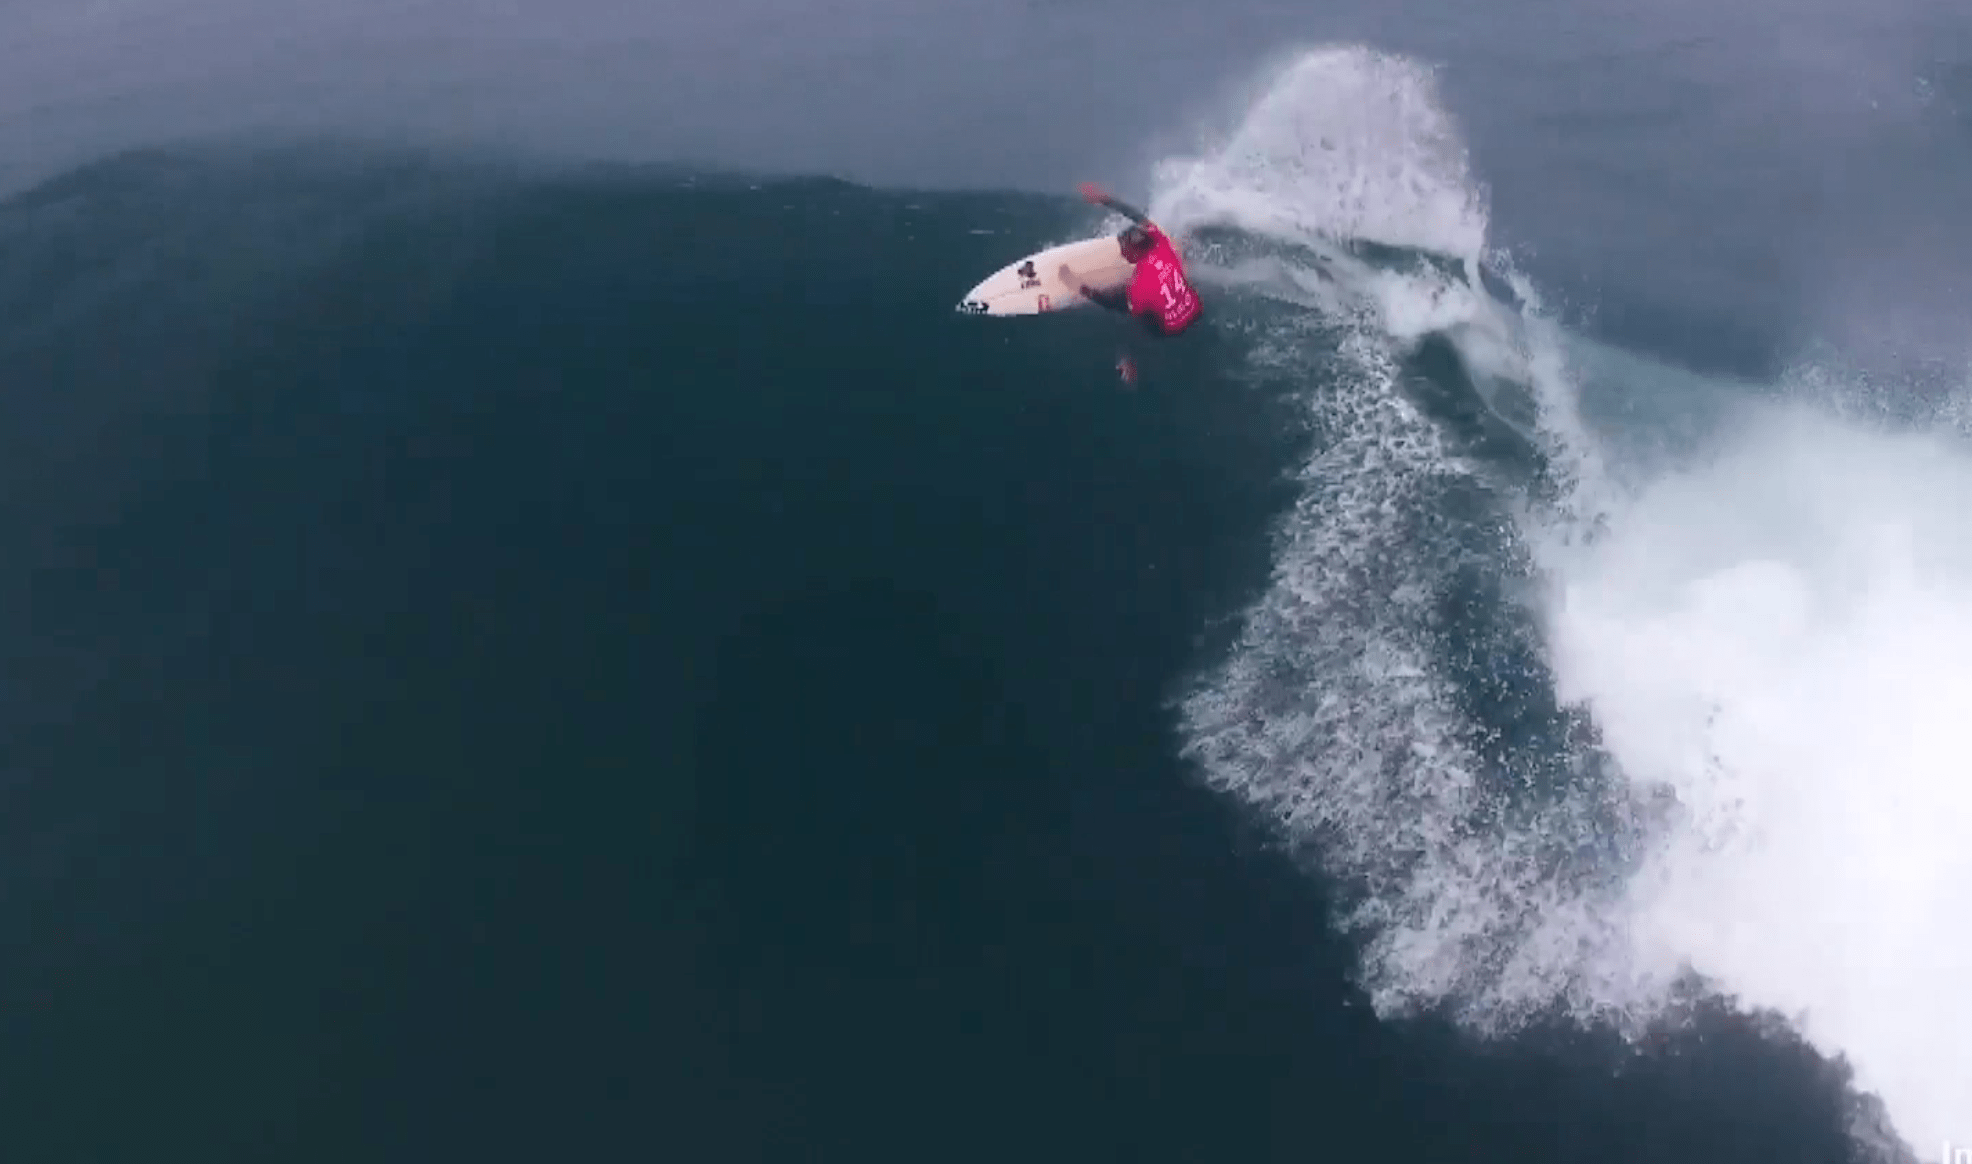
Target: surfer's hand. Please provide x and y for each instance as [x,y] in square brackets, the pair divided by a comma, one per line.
[1093,193]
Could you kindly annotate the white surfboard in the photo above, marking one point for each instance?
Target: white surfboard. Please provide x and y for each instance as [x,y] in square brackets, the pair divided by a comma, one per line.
[1033,284]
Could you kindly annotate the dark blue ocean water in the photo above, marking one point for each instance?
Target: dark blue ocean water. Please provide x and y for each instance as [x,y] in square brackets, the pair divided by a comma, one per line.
[530,630]
[505,664]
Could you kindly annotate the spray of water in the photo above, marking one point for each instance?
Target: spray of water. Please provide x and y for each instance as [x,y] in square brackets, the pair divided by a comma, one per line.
[1341,143]
[1770,627]
[1334,713]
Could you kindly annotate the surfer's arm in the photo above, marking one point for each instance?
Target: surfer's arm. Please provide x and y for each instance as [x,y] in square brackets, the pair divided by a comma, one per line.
[1114,298]
[1128,211]
[1101,197]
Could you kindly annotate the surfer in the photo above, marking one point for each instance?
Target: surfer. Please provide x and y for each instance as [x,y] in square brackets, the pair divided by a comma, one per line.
[1158,292]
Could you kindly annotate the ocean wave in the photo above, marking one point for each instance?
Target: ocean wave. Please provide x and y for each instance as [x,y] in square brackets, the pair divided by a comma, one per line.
[1665,712]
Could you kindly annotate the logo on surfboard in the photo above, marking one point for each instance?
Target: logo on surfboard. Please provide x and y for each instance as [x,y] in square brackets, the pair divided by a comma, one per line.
[1028,279]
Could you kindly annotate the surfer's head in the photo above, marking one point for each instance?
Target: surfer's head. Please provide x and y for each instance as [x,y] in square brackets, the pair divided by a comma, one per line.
[1135,242]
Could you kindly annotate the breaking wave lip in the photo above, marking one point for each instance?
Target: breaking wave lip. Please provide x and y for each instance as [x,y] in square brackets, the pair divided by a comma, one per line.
[1546,732]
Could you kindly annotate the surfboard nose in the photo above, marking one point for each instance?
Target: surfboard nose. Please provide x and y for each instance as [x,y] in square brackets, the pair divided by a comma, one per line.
[971,307]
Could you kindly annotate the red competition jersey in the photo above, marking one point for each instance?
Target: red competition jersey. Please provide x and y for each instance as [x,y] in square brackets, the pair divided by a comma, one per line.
[1159,287]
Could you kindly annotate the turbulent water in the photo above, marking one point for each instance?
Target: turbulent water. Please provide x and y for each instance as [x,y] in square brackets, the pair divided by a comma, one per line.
[1741,769]
[499,650]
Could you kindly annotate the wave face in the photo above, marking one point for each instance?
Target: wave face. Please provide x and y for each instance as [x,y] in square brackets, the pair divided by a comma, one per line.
[1659,703]
[516,552]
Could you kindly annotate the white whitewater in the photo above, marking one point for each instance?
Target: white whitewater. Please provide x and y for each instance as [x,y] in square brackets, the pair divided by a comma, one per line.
[1773,625]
